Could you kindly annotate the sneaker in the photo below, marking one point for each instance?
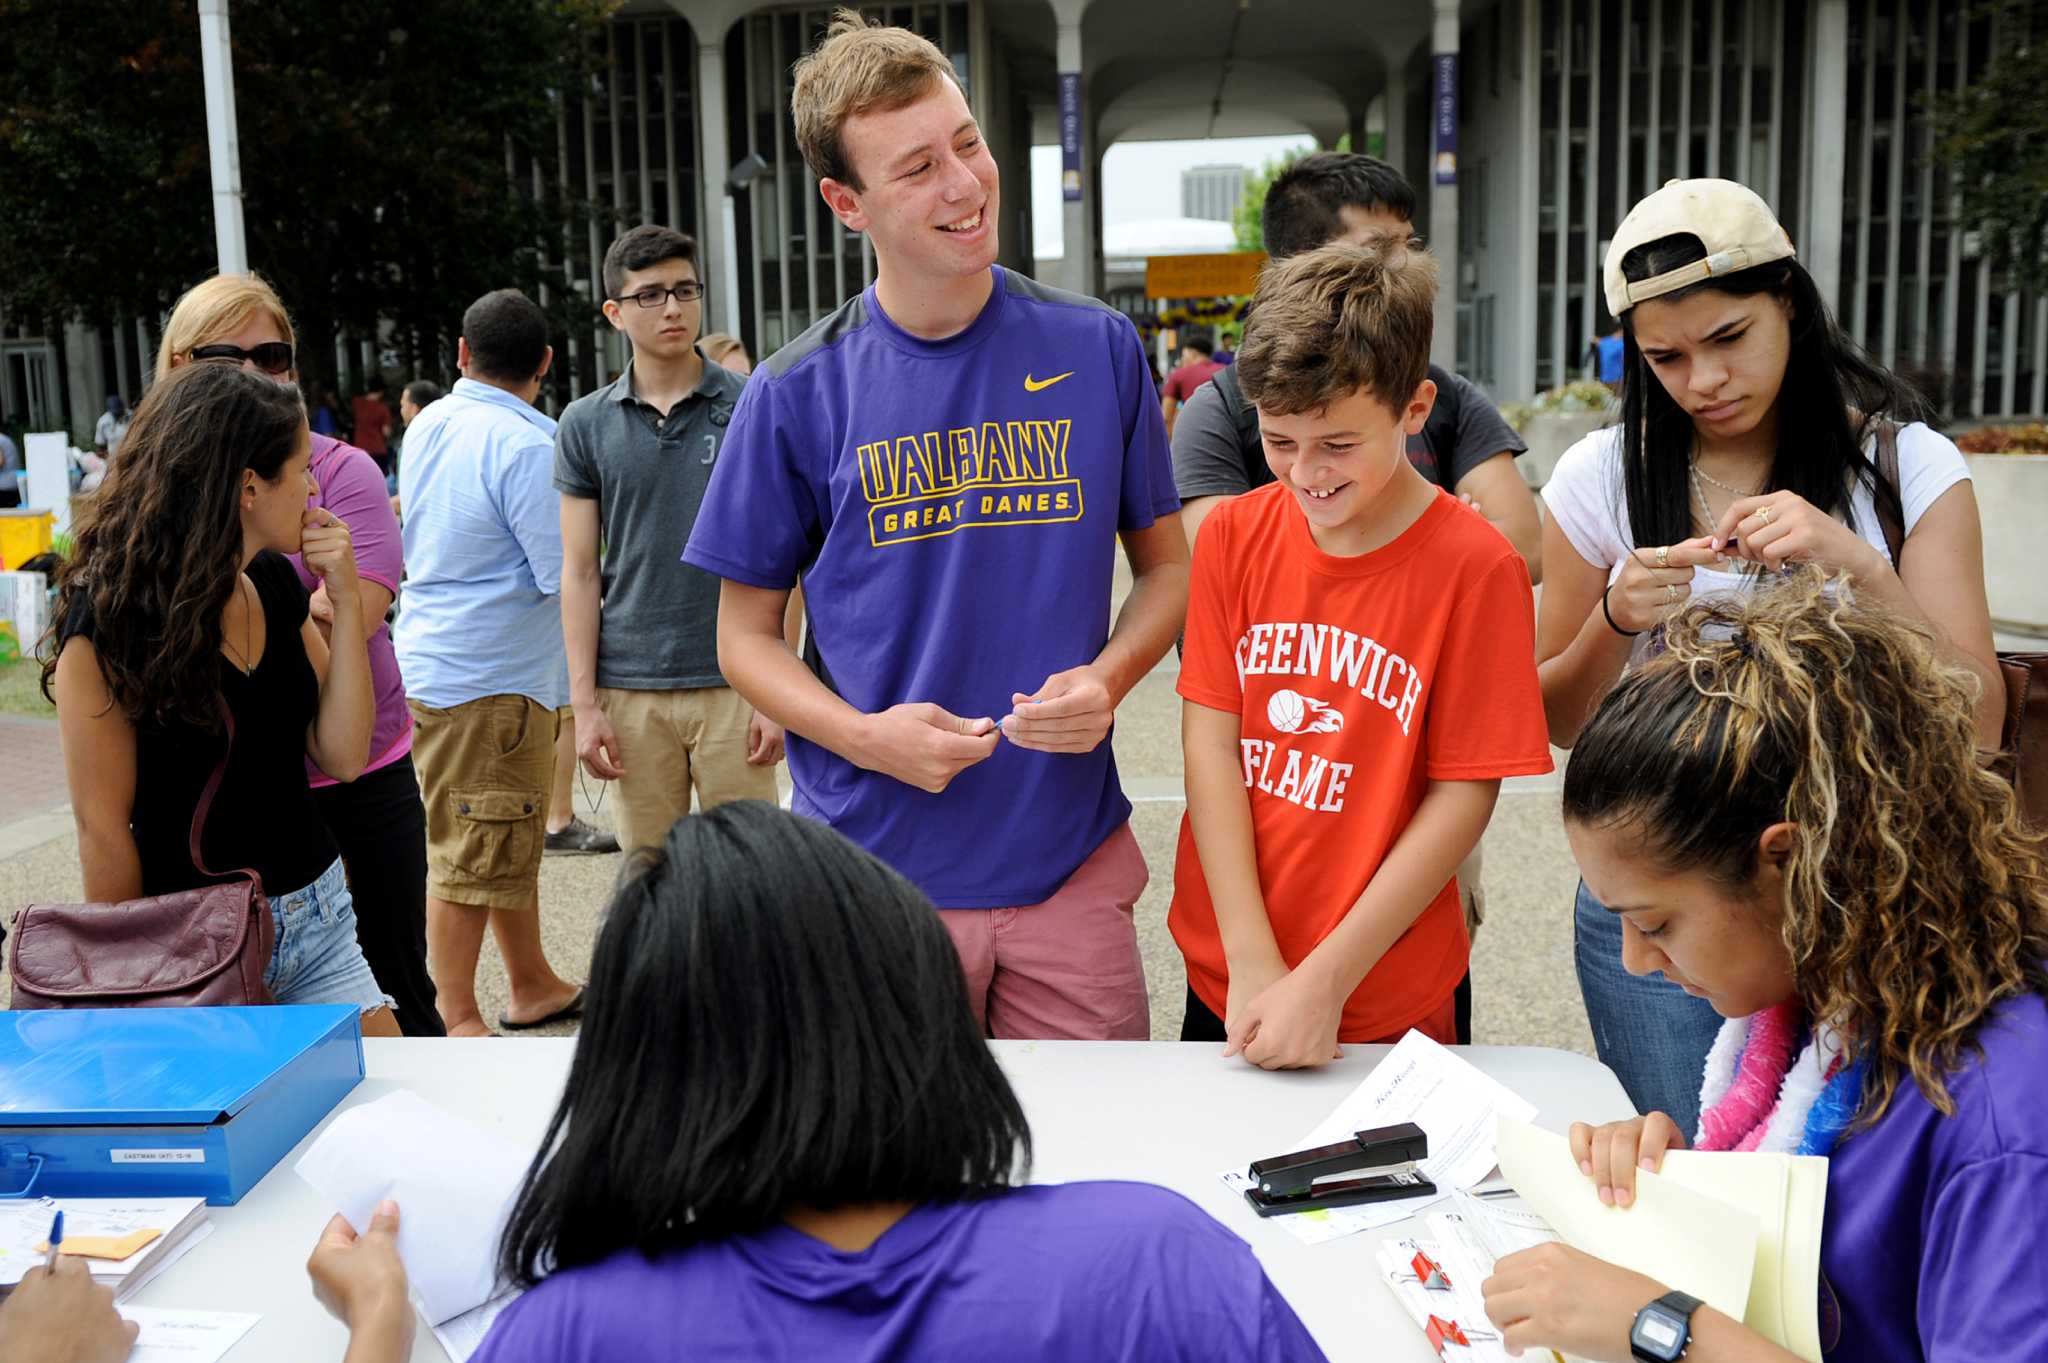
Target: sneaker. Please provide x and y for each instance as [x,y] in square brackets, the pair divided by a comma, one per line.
[578,838]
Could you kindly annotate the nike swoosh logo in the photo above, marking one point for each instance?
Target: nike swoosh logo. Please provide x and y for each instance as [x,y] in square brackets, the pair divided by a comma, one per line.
[1032,385]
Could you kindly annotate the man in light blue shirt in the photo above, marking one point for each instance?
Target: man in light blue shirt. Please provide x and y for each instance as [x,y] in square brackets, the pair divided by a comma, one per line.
[479,642]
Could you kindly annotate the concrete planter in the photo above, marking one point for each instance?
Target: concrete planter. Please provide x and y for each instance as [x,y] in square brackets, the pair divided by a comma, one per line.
[1549,435]
[2012,501]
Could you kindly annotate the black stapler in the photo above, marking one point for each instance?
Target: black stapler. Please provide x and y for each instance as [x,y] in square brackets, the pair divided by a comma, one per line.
[1384,1160]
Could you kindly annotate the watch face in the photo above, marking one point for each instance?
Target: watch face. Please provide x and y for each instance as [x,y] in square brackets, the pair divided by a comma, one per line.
[1658,1334]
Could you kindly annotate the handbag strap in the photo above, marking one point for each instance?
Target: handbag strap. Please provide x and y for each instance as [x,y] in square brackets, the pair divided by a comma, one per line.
[1888,473]
[205,807]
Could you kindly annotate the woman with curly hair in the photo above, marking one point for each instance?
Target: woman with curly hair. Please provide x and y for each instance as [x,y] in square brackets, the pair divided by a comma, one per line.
[377,821]
[1786,815]
[177,602]
[1753,435]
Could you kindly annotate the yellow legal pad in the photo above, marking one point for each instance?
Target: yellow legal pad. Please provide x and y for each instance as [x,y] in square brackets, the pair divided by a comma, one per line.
[103,1246]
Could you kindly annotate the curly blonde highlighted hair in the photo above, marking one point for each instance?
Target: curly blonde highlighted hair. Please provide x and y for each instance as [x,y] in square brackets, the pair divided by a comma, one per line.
[216,308]
[1915,898]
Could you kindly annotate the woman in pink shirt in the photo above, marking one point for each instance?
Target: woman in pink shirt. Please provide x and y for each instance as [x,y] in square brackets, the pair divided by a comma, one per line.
[377,821]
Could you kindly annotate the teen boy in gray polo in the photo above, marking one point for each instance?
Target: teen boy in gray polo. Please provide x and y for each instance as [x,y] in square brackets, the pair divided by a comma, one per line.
[653,713]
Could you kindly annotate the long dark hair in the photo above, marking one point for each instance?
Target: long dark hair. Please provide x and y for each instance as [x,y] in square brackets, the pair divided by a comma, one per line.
[158,548]
[1831,394]
[1915,899]
[776,1020]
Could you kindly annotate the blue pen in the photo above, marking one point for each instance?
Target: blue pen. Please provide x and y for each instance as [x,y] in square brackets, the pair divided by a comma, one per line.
[56,1239]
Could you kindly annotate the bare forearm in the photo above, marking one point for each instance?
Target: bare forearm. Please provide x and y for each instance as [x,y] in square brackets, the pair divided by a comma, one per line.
[111,865]
[1574,681]
[348,702]
[384,1338]
[776,683]
[581,606]
[1146,627]
[1717,1338]
[1220,815]
[1446,827]
[1877,581]
[793,621]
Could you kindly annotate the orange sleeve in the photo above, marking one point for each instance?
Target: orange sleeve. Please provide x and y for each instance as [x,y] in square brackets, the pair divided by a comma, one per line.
[1208,664]
[1486,709]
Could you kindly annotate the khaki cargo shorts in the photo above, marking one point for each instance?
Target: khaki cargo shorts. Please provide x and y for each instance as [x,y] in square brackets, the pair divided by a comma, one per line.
[486,768]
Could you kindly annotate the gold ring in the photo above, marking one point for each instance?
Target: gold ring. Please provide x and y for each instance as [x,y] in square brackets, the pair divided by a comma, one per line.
[1763,513]
[1663,556]
[1671,591]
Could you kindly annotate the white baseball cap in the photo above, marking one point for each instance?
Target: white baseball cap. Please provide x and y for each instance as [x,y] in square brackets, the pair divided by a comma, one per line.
[1736,226]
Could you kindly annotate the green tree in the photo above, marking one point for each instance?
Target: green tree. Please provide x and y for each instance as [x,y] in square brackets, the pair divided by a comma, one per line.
[374,137]
[1994,133]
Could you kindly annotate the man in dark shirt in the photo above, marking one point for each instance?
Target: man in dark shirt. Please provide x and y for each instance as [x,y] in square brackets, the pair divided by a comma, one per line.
[1466,448]
[1196,365]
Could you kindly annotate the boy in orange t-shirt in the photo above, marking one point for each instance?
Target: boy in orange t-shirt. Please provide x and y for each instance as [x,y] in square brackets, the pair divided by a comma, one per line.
[1359,676]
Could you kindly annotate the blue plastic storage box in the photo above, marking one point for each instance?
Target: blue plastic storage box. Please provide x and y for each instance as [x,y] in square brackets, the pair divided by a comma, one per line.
[166,1102]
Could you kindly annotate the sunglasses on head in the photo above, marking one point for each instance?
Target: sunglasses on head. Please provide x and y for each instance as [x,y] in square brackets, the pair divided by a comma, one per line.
[272,357]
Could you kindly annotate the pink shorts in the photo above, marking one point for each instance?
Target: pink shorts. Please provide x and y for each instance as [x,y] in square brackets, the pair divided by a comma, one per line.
[1067,969]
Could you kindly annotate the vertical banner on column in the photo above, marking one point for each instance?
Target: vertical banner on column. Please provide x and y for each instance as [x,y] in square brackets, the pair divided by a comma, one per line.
[1443,108]
[1070,136]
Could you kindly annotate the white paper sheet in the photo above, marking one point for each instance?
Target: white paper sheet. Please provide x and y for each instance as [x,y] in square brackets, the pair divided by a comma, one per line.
[453,1181]
[1422,1082]
[25,1225]
[185,1336]
[464,1335]
[177,1250]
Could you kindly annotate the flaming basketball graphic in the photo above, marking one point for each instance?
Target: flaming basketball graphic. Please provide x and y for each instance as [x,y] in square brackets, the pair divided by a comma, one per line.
[1290,712]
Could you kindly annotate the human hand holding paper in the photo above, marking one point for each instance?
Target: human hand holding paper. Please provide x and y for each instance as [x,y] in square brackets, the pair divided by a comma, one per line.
[455,1180]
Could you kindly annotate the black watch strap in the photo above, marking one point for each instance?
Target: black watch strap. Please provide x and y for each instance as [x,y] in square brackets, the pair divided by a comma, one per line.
[1663,1330]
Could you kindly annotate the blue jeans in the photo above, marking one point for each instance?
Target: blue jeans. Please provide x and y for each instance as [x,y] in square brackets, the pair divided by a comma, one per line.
[317,959]
[1652,1034]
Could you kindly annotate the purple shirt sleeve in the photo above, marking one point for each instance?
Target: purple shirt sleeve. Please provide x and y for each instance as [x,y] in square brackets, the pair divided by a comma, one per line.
[764,513]
[352,487]
[1148,490]
[1983,1294]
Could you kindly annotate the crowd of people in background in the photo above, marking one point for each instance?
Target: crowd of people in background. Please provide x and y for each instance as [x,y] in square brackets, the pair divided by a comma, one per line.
[887,553]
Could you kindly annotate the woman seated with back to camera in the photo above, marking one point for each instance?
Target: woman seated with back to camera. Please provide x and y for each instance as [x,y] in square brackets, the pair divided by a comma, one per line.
[783,1137]
[1786,812]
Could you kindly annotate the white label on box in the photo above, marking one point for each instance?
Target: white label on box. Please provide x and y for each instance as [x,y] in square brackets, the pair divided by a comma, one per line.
[187,1155]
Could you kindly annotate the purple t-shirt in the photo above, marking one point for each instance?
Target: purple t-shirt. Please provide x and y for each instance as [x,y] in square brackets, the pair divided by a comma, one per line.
[953,507]
[1097,1271]
[1935,1242]
[353,489]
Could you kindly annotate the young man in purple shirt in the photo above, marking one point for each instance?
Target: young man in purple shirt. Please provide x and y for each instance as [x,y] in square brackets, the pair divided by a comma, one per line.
[948,461]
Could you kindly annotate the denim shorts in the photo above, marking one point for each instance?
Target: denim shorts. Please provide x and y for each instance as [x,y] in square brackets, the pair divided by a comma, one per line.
[317,959]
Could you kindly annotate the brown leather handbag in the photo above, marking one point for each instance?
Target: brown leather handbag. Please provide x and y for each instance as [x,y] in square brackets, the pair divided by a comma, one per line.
[204,946]
[2022,755]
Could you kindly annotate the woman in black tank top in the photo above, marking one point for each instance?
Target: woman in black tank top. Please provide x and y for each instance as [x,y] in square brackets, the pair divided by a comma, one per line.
[177,598]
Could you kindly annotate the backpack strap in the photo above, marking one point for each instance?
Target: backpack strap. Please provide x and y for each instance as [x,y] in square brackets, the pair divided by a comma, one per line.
[1888,519]
[1245,418]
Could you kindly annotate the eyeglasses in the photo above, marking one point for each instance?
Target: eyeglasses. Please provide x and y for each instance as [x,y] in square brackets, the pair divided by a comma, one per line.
[653,296]
[272,357]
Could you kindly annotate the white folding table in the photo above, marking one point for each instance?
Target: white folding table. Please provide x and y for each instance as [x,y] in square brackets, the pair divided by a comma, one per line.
[1160,1112]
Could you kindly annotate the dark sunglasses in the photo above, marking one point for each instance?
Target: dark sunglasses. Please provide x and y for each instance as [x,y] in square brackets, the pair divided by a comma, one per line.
[272,357]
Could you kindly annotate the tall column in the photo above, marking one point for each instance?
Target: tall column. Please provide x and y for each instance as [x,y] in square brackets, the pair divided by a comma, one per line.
[1827,113]
[1077,156]
[1396,97]
[1443,179]
[720,248]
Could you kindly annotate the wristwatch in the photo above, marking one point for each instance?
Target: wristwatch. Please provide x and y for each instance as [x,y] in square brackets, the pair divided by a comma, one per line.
[1663,1329]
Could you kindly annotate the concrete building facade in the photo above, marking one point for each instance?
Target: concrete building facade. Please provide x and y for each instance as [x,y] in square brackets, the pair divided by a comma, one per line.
[1527,126]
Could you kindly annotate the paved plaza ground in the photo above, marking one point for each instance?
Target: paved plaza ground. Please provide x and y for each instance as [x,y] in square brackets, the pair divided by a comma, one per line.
[1525,992]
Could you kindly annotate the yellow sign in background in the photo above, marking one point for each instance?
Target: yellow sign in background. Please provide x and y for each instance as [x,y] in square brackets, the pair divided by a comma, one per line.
[1216,276]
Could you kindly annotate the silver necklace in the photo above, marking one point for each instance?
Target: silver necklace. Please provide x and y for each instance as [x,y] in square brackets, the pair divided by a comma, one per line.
[1698,472]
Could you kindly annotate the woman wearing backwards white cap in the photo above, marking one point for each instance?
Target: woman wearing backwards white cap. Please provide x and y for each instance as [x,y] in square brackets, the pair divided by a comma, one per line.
[1750,439]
